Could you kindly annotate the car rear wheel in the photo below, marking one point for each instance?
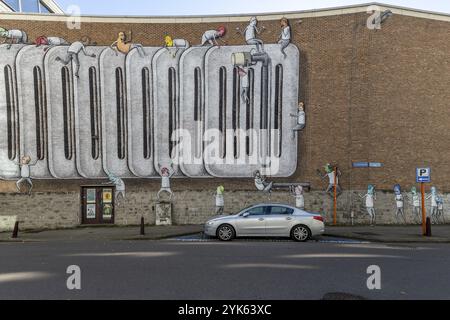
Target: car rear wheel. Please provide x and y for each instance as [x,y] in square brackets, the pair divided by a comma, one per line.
[300,233]
[225,232]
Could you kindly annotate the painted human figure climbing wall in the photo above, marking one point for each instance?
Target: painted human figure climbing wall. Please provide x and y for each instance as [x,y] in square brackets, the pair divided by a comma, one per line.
[73,55]
[332,175]
[25,173]
[13,36]
[123,45]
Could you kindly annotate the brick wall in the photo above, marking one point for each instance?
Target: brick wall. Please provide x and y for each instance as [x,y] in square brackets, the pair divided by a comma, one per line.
[62,210]
[371,95]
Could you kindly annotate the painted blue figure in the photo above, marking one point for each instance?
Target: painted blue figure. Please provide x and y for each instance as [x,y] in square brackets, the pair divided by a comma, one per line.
[399,201]
[370,196]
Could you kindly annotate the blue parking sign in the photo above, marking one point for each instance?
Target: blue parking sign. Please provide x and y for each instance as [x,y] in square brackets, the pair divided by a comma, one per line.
[423,175]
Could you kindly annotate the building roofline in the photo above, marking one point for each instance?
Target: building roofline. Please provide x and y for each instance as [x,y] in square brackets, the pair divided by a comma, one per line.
[332,11]
[54,6]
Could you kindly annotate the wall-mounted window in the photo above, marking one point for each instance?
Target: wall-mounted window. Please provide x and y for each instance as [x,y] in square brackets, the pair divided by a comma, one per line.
[198,111]
[146,112]
[236,109]
[120,115]
[13,4]
[250,110]
[30,6]
[223,109]
[40,115]
[11,113]
[278,108]
[67,112]
[173,110]
[94,113]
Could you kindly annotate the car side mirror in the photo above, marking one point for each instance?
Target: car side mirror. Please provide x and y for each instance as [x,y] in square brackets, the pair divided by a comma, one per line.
[246,214]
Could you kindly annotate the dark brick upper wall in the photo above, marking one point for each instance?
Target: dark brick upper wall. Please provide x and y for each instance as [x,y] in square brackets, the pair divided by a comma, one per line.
[370,95]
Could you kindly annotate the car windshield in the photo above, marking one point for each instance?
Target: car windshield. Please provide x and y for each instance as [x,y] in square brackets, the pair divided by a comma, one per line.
[245,210]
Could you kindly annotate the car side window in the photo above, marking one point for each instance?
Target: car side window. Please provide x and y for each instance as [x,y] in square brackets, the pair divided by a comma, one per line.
[281,210]
[258,211]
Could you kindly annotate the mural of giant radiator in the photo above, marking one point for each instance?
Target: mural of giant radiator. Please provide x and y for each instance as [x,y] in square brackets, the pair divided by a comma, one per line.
[129,114]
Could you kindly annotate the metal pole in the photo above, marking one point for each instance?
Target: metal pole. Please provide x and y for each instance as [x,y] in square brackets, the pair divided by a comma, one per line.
[335,197]
[424,215]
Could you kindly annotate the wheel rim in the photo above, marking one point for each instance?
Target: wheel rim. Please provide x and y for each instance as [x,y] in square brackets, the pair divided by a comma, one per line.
[300,233]
[225,233]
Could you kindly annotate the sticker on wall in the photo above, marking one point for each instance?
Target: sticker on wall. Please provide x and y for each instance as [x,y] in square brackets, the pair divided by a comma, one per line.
[90,211]
[91,195]
[107,195]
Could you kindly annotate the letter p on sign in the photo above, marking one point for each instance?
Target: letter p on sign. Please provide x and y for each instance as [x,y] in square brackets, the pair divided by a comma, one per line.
[423,175]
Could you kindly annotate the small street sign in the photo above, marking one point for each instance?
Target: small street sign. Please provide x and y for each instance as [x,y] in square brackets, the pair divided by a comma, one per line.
[423,175]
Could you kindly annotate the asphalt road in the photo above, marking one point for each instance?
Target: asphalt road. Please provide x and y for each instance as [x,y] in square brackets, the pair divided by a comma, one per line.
[173,269]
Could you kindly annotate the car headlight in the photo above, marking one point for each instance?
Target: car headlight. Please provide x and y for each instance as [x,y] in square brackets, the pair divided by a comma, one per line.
[209,223]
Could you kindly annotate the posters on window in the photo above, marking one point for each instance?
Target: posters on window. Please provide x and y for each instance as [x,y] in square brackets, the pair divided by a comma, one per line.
[90,211]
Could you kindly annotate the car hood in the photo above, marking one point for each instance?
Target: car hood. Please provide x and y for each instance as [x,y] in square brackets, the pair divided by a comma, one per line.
[222,217]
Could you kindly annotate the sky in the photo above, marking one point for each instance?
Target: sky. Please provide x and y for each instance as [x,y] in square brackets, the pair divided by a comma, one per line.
[211,7]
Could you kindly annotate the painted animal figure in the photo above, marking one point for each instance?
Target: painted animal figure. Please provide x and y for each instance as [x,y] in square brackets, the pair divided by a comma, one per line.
[13,36]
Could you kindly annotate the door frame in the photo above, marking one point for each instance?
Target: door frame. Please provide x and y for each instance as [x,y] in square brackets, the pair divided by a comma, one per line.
[98,205]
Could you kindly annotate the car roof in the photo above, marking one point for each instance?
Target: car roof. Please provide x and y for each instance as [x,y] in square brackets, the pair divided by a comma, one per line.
[272,204]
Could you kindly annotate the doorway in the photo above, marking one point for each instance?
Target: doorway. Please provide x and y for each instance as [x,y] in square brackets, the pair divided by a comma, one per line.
[97,205]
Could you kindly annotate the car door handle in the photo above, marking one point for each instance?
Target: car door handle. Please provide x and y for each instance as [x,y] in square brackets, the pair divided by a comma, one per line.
[261,219]
[288,218]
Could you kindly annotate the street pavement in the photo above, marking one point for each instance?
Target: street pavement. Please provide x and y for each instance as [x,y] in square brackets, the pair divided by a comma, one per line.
[391,233]
[197,268]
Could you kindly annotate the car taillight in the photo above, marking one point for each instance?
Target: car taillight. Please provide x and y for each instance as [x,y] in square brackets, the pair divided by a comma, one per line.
[319,218]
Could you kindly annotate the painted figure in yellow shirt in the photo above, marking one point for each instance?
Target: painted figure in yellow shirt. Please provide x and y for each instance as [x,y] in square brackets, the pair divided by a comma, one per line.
[124,46]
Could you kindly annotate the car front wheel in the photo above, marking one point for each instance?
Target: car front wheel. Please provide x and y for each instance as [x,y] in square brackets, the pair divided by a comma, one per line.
[300,233]
[225,232]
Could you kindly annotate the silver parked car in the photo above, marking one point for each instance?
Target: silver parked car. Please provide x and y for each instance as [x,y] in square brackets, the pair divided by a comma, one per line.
[267,220]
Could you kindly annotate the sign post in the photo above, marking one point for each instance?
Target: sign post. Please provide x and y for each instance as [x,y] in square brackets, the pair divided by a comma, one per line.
[335,197]
[423,175]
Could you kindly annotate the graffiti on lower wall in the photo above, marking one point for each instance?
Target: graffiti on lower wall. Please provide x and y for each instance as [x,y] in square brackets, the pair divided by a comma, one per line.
[210,109]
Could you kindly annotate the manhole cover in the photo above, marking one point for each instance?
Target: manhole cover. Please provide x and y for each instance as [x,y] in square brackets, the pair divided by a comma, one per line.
[341,296]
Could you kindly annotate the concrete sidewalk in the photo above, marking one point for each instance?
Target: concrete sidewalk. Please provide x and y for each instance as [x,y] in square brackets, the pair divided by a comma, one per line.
[383,233]
[103,233]
[390,234]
